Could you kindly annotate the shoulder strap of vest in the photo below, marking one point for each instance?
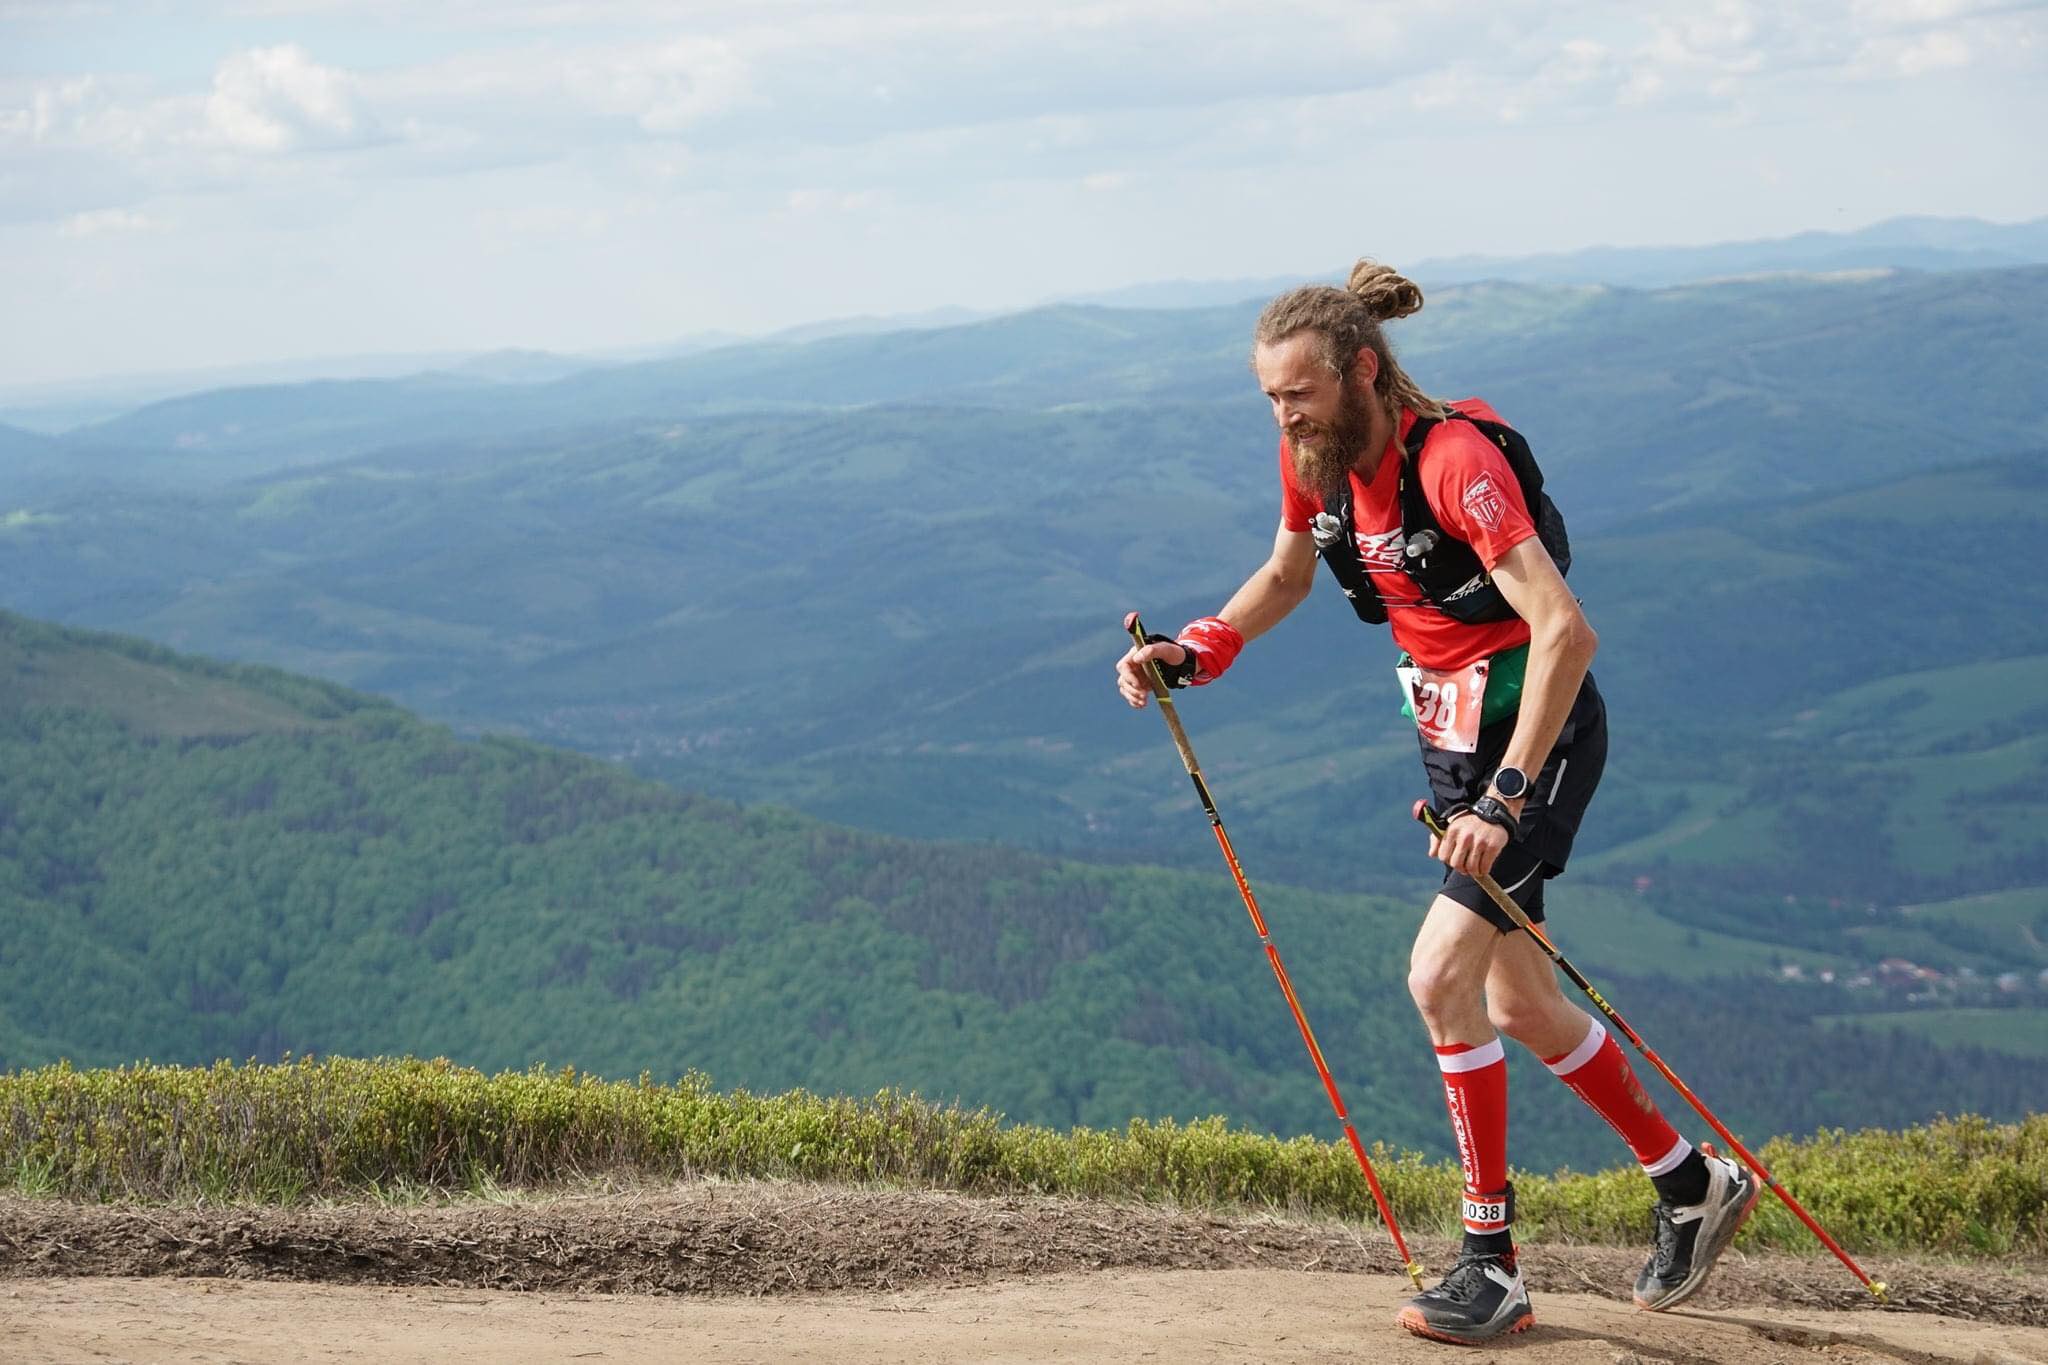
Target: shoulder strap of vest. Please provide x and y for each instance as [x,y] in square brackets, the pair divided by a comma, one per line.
[1416,514]
[1342,557]
[1417,434]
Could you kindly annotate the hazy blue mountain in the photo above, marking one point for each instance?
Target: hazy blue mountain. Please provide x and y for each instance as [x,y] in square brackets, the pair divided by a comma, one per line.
[17,444]
[1918,243]
[900,612]
[868,323]
[32,466]
[60,405]
[1922,243]
[1175,294]
[1034,359]
[1718,372]
[520,367]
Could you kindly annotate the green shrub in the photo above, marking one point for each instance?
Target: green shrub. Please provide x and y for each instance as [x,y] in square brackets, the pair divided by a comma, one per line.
[338,1127]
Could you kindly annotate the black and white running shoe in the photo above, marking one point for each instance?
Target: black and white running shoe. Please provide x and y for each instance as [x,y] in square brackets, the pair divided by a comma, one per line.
[1481,1298]
[1691,1237]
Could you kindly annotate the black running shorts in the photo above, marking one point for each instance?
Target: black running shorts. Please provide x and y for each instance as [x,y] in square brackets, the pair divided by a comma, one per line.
[1550,820]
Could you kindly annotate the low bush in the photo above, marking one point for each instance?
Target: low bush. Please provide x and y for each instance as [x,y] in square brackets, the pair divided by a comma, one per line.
[342,1128]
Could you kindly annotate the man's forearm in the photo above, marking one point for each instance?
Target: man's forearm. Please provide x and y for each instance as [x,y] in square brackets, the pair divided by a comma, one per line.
[1264,600]
[1558,659]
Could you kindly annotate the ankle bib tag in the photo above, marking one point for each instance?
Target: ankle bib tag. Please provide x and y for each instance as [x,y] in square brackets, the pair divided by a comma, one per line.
[1447,703]
[1487,1214]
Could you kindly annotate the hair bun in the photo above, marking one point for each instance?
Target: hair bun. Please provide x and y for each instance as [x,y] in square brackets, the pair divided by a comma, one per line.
[1385,292]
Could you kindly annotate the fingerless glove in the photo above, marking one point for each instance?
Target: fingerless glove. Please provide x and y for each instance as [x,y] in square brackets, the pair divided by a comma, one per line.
[1213,643]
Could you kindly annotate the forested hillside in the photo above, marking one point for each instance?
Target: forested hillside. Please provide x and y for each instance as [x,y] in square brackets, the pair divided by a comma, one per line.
[878,577]
[202,860]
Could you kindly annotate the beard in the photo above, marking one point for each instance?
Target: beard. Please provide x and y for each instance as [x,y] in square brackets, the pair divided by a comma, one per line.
[1325,453]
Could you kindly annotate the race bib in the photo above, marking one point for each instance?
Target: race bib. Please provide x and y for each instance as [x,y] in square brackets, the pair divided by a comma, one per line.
[1447,702]
[1487,1211]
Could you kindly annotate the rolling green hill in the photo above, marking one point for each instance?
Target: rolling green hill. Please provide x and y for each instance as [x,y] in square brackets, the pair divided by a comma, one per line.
[1790,502]
[201,860]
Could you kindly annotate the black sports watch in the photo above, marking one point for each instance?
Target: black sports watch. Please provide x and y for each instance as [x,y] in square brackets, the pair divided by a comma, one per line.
[1490,809]
[1511,783]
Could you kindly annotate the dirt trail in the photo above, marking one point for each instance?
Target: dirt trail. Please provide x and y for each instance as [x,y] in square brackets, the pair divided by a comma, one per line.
[712,1272]
[1109,1316]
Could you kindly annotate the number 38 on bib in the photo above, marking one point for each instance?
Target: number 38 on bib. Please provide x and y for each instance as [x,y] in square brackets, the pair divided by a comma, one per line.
[1447,703]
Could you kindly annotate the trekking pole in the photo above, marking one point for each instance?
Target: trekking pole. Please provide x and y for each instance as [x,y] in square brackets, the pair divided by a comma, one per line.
[1244,889]
[1515,912]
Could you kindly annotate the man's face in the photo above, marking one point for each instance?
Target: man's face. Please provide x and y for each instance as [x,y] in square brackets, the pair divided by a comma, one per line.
[1327,420]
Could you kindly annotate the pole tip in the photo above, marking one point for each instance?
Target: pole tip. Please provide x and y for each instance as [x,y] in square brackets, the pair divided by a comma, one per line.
[1414,1269]
[1882,1290]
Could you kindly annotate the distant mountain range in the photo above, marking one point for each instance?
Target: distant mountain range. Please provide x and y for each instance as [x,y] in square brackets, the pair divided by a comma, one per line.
[1915,243]
[1797,343]
[1932,244]
[878,576]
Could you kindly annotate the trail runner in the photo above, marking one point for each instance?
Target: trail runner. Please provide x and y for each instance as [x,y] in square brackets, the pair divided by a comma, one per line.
[1513,735]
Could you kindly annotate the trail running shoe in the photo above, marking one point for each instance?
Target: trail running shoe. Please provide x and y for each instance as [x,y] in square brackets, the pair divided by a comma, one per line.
[1691,1237]
[1481,1298]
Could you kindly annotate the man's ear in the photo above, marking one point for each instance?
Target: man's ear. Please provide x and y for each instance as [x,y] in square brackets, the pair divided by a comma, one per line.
[1365,367]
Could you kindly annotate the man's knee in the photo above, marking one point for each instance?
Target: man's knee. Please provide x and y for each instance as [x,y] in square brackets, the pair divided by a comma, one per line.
[1441,985]
[1521,1016]
[1542,1021]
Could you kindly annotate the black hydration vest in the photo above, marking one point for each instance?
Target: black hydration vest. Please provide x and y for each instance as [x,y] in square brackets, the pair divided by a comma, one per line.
[1446,569]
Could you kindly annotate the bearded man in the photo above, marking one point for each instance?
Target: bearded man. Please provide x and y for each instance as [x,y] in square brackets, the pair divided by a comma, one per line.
[1424,512]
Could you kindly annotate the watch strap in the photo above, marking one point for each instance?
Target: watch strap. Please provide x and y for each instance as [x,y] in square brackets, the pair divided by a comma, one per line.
[1495,812]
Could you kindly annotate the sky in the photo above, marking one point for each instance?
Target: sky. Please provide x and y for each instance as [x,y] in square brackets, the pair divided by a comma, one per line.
[185,185]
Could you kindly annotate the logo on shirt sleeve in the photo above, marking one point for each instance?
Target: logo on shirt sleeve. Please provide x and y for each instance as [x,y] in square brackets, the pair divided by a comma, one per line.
[1483,502]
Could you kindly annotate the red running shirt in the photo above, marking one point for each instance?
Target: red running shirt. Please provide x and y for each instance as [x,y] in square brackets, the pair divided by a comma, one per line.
[1473,492]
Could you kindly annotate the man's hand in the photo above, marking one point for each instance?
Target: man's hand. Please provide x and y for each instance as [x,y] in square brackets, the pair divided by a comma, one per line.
[1469,845]
[1134,677]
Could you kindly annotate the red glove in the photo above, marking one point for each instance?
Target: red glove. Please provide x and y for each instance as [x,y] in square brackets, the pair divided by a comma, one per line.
[1214,643]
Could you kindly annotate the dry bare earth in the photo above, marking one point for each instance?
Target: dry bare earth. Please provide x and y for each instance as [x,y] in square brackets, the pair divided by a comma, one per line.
[721,1272]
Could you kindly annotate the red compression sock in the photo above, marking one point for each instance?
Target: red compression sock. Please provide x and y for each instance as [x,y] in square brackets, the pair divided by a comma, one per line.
[1476,1093]
[1600,1075]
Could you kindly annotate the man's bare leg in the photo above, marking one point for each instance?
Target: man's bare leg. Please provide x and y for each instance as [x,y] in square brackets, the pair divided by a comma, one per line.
[1483,1296]
[1701,1202]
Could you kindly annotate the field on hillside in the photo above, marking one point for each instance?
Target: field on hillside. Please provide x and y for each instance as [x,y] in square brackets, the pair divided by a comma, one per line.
[633,562]
[216,860]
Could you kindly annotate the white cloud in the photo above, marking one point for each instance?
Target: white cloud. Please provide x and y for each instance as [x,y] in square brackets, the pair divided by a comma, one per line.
[278,99]
[1890,13]
[104,222]
[667,90]
[831,201]
[545,221]
[538,141]
[1933,52]
[52,107]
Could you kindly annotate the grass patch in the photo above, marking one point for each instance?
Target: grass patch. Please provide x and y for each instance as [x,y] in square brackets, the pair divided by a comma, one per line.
[1614,931]
[2015,1032]
[401,1130]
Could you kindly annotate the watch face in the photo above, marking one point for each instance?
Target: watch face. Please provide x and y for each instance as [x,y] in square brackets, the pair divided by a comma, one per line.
[1511,782]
